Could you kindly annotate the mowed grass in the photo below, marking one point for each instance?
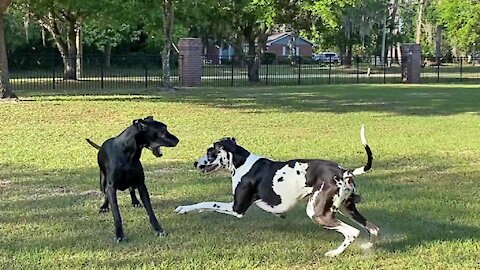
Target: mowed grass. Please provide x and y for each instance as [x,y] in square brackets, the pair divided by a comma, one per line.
[423,191]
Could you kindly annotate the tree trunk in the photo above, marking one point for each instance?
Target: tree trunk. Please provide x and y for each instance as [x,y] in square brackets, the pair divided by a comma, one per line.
[108,54]
[78,42]
[5,87]
[253,63]
[438,44]
[384,40]
[167,31]
[418,34]
[292,48]
[347,60]
[68,48]
[70,68]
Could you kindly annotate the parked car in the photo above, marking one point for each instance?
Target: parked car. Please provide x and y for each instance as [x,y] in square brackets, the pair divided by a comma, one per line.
[327,57]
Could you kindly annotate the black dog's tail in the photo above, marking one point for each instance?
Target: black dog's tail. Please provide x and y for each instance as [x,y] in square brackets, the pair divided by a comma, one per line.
[362,170]
[93,144]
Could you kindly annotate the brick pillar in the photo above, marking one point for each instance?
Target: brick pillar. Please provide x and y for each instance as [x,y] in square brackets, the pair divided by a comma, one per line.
[411,62]
[190,61]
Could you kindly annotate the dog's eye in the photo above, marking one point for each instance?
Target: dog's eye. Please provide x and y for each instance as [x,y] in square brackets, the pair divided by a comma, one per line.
[211,157]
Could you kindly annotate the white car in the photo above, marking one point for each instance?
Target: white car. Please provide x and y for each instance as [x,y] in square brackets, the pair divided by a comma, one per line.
[327,57]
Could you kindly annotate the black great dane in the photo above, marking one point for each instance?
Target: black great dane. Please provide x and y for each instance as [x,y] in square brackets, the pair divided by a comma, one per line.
[276,187]
[120,167]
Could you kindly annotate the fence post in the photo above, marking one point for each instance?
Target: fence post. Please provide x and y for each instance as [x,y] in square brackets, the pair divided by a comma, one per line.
[357,60]
[299,68]
[384,72]
[231,82]
[180,70]
[101,76]
[461,68]
[53,71]
[266,75]
[146,77]
[438,69]
[329,69]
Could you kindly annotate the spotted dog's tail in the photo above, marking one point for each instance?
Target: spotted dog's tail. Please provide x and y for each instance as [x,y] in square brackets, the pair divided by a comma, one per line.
[361,170]
[93,144]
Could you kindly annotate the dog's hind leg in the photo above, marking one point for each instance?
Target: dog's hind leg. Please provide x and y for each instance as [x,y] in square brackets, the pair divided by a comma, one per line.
[349,210]
[349,232]
[157,229]
[135,201]
[104,206]
[319,209]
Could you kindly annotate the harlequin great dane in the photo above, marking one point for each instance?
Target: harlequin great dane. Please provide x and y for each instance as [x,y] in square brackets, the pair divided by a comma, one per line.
[276,186]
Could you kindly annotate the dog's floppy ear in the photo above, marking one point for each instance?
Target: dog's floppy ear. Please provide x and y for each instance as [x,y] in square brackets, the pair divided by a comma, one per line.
[230,145]
[140,124]
[148,118]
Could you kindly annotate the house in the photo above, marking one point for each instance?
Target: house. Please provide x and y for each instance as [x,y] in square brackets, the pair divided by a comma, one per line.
[214,54]
[277,43]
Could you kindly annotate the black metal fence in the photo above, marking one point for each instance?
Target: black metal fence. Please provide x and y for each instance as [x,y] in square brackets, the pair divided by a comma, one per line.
[43,72]
[40,72]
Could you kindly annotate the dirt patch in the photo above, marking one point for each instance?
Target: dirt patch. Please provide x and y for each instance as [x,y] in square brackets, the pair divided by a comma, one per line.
[58,191]
[164,170]
[91,193]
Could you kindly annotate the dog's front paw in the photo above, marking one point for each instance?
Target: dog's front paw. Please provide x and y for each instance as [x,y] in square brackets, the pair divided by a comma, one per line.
[333,253]
[372,228]
[119,239]
[161,233]
[136,204]
[367,245]
[183,209]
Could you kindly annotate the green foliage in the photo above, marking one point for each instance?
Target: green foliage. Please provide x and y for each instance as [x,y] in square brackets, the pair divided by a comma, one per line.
[358,25]
[461,19]
[268,58]
[408,15]
[21,33]
[137,25]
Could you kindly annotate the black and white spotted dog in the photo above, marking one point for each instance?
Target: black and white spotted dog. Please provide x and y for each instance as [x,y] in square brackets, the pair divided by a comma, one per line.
[277,186]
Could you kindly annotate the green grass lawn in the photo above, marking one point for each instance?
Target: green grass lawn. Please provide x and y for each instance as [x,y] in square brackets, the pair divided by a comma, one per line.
[423,191]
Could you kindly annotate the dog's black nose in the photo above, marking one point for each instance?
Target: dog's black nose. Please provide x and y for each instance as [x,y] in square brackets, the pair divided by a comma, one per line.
[195,164]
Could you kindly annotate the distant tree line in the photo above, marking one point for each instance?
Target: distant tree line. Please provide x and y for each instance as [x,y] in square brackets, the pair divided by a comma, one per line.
[71,28]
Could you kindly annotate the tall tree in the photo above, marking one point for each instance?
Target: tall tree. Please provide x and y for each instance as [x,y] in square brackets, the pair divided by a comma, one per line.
[62,19]
[460,18]
[168,12]
[358,28]
[105,33]
[159,26]
[421,8]
[5,87]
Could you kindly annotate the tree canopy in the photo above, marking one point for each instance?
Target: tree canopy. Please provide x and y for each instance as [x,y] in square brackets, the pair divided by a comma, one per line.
[350,27]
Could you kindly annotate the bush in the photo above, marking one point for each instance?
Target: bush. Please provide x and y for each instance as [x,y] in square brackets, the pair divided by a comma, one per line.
[268,58]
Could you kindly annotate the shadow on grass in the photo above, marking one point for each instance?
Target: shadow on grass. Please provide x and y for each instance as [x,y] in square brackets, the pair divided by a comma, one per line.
[414,212]
[421,100]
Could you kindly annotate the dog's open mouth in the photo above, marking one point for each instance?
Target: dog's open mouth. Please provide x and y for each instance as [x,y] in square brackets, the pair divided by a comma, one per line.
[157,151]
[211,168]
